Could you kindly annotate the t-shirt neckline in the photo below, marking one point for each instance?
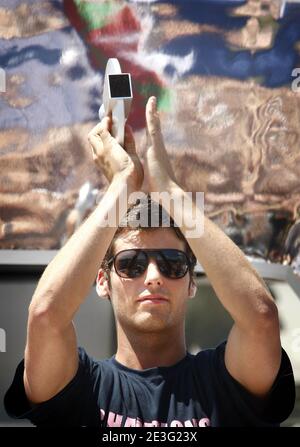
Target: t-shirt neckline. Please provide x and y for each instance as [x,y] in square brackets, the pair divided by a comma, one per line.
[149,371]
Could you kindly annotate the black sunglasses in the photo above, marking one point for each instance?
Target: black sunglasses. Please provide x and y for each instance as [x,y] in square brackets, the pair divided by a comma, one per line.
[132,263]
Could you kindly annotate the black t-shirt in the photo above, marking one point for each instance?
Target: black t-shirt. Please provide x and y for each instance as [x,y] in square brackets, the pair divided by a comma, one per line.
[198,391]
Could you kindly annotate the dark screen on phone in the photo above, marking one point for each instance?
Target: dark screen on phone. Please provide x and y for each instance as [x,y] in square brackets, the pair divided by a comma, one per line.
[119,86]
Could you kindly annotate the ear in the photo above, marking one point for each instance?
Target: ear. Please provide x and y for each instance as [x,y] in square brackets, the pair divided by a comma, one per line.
[102,286]
[192,289]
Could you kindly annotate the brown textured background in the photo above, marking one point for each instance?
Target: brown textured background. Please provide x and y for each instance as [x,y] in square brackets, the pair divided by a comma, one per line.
[235,139]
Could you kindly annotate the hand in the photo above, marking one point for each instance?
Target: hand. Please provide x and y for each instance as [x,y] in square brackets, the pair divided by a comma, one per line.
[158,173]
[114,160]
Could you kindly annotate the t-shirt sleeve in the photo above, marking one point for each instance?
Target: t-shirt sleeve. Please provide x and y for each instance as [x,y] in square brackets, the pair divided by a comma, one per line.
[248,408]
[67,408]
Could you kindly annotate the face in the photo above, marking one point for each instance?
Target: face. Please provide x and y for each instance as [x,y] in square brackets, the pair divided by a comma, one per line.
[127,294]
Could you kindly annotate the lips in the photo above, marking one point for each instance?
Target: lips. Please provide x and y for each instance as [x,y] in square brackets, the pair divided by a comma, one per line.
[155,298]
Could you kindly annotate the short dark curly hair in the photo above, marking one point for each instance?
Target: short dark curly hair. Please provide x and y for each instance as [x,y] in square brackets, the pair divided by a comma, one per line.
[154,216]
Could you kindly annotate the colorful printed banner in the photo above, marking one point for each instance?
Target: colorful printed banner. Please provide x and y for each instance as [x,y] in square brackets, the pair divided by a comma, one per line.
[227,78]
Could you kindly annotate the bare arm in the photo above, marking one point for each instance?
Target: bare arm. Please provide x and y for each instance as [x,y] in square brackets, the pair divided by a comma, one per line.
[51,358]
[253,351]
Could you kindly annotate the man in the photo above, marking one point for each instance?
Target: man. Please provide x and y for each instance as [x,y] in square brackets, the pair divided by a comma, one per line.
[147,275]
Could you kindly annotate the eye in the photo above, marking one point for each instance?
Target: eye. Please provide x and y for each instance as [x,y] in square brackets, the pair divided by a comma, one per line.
[138,269]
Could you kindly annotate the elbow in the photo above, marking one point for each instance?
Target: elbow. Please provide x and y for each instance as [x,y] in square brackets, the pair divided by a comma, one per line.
[41,315]
[266,314]
[45,311]
[260,317]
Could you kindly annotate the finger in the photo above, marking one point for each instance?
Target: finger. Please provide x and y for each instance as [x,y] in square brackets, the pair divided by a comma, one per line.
[153,121]
[157,143]
[145,185]
[129,143]
[105,123]
[100,135]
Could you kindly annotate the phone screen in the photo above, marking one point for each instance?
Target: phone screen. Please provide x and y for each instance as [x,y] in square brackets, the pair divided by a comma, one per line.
[119,85]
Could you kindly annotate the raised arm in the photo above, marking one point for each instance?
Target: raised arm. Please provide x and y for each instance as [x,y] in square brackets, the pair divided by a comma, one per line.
[51,358]
[253,351]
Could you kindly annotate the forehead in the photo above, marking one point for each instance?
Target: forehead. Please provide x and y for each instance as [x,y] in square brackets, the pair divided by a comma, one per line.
[158,238]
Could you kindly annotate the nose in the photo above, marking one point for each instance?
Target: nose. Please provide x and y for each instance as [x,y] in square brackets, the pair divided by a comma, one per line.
[153,275]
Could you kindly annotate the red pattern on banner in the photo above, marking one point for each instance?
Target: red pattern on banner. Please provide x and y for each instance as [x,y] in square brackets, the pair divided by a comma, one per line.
[104,43]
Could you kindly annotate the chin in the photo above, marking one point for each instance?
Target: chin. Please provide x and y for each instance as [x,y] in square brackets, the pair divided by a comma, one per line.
[151,323]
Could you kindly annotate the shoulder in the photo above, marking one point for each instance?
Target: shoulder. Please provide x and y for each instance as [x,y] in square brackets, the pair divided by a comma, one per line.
[94,369]
[275,408]
[210,357]
[79,393]
[89,365]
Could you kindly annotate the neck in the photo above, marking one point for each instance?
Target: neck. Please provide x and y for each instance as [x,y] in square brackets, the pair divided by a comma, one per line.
[148,350]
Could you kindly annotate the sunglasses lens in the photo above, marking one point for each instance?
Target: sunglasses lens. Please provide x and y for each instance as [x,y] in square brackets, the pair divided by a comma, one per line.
[131,263]
[172,263]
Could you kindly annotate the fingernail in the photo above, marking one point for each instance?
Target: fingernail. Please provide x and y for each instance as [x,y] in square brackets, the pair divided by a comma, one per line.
[153,102]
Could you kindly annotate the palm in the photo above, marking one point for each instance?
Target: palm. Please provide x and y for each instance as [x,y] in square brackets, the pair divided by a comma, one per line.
[114,160]
[155,176]
[158,172]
